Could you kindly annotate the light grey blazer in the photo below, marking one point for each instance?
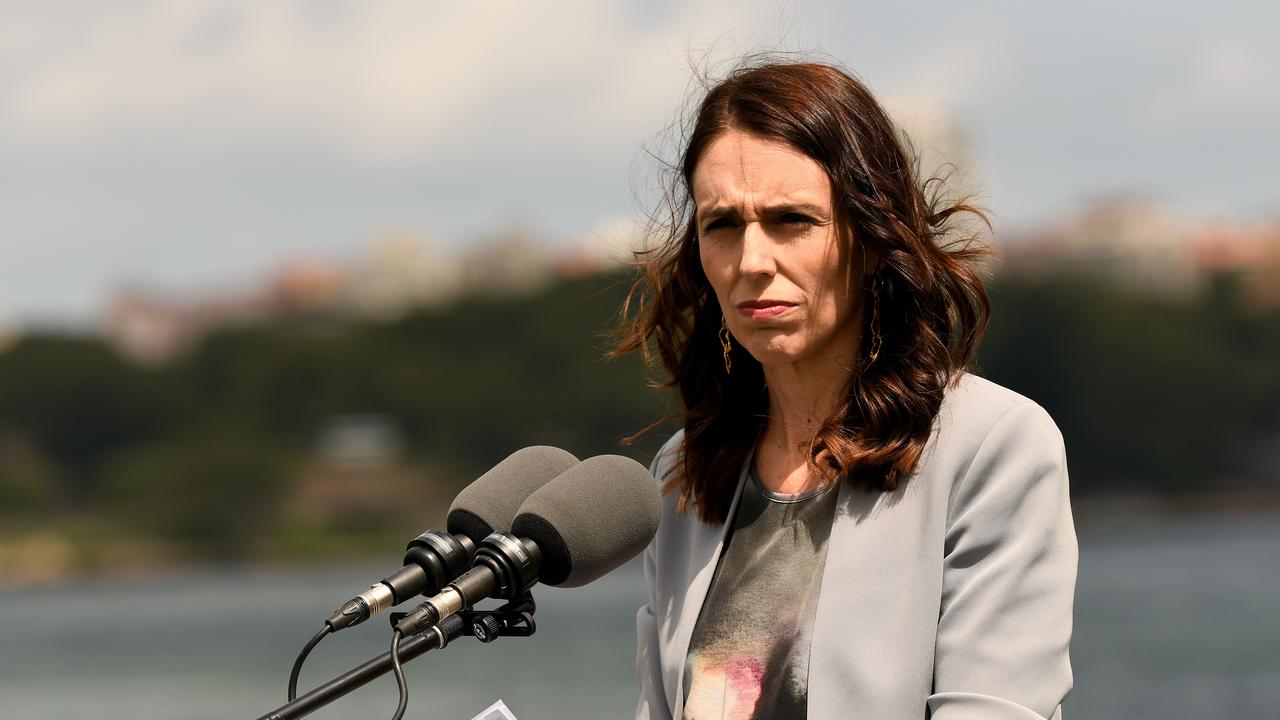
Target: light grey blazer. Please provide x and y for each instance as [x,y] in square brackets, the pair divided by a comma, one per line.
[949,598]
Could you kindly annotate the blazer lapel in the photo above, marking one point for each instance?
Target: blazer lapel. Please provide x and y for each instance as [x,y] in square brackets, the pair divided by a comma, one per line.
[870,604]
[826,637]
[705,544]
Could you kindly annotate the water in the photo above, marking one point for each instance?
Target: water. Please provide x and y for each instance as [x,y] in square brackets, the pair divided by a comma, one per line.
[1178,620]
[1174,620]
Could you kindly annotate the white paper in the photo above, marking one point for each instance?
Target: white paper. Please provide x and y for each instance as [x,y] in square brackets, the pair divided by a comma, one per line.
[496,711]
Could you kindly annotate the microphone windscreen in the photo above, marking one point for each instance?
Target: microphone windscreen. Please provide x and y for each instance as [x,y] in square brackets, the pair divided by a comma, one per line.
[594,517]
[491,502]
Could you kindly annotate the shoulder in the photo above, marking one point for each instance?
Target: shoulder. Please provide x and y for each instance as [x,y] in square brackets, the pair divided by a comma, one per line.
[973,397]
[665,462]
[993,442]
[667,456]
[975,407]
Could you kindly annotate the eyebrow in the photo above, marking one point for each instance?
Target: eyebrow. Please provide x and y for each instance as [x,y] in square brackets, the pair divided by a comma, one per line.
[769,211]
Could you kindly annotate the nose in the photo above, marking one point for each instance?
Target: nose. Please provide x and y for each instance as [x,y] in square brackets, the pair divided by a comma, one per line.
[757,252]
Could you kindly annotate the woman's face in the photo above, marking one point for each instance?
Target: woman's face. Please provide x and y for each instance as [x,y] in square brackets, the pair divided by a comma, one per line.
[785,275]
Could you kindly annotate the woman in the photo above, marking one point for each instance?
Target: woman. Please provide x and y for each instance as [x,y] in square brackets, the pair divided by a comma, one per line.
[853,526]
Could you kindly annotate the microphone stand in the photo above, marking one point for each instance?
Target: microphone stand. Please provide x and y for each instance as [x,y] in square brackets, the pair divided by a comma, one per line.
[513,619]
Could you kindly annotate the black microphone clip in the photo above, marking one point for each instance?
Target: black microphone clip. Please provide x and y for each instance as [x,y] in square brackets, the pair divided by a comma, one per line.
[505,567]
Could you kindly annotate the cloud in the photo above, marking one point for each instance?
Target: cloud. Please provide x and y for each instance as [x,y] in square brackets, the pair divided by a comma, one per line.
[206,138]
[958,72]
[382,82]
[1223,77]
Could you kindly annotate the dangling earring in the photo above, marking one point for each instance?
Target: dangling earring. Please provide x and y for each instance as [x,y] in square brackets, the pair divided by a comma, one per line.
[724,343]
[876,340]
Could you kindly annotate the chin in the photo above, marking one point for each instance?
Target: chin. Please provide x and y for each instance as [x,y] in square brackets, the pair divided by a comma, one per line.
[777,350]
[778,347]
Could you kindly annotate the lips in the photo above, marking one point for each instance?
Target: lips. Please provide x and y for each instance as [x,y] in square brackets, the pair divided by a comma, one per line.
[757,309]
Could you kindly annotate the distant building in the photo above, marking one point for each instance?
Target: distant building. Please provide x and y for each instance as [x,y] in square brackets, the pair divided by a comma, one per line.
[306,287]
[360,441]
[1123,238]
[10,334]
[1248,251]
[505,264]
[1136,242]
[402,272]
[608,245]
[359,476]
[148,328]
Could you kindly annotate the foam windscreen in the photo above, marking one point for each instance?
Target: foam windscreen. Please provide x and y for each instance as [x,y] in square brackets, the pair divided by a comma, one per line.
[592,518]
[491,502]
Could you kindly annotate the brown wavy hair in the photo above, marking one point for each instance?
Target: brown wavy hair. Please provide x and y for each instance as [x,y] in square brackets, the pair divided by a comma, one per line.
[933,308]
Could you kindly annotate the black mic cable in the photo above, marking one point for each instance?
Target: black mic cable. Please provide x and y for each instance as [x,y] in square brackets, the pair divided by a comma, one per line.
[302,657]
[440,636]
[398,670]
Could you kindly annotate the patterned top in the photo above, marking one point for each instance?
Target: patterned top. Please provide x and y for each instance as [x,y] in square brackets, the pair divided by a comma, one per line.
[749,653]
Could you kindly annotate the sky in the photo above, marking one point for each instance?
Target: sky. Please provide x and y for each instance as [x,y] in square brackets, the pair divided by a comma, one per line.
[190,144]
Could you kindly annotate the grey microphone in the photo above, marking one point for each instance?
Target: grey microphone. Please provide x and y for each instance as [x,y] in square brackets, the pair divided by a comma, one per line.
[434,558]
[591,519]
[586,522]
[490,503]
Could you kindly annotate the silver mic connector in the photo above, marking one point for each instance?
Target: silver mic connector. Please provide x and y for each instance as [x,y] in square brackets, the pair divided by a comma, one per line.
[378,598]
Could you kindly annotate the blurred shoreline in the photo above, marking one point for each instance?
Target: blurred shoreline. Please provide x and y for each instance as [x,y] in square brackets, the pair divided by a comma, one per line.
[1089,512]
[49,558]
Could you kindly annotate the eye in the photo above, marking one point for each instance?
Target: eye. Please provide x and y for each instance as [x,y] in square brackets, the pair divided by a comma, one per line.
[797,219]
[715,225]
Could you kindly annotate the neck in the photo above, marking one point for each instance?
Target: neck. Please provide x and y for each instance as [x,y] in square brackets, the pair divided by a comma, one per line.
[802,395]
[801,398]
[799,401]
